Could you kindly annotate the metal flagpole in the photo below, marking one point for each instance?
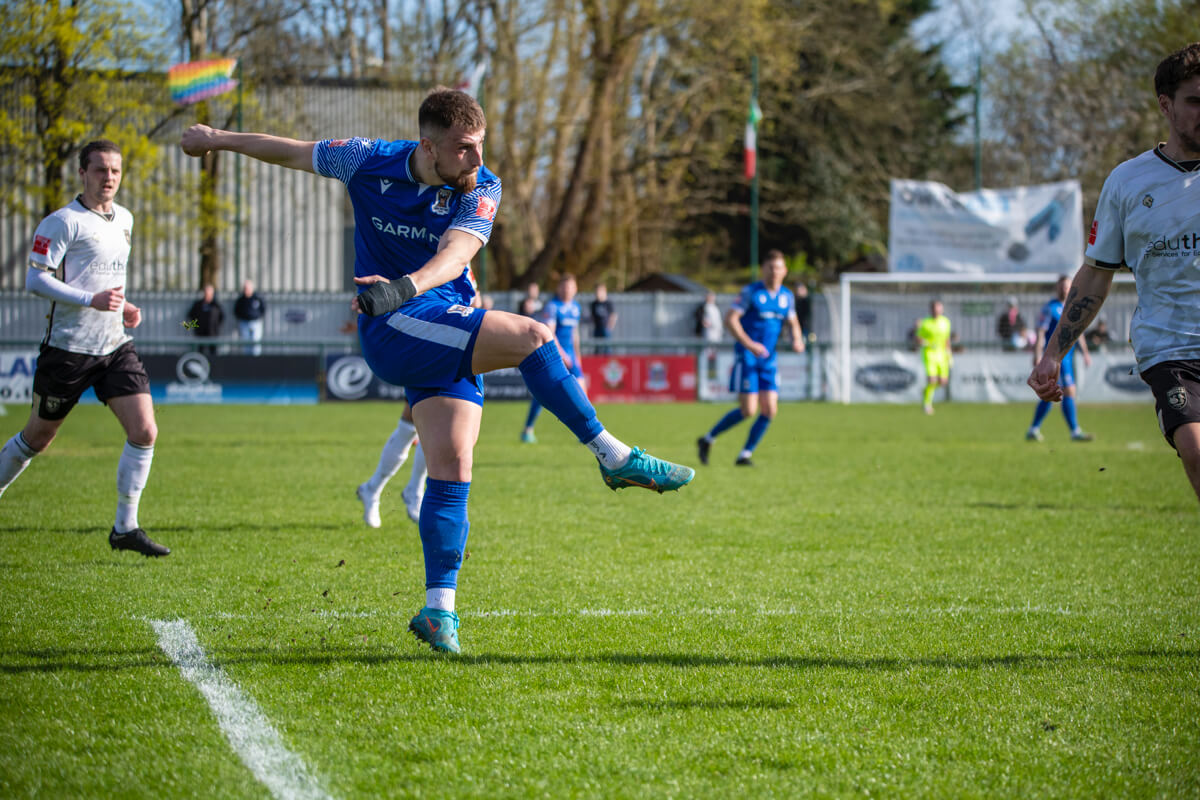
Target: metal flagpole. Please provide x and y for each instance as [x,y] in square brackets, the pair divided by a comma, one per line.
[754,180]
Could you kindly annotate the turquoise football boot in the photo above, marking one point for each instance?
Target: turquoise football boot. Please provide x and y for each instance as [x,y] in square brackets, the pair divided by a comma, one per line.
[438,629]
[647,472]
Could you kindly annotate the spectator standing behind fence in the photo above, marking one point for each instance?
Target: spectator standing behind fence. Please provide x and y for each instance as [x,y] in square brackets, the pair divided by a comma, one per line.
[1098,337]
[1011,328]
[804,310]
[531,303]
[708,319]
[604,318]
[249,310]
[205,318]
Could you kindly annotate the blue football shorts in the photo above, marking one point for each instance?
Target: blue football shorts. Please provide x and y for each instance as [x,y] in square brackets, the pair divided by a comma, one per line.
[1066,372]
[751,374]
[425,346]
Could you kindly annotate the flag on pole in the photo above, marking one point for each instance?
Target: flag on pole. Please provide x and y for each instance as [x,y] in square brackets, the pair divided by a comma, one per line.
[200,80]
[751,147]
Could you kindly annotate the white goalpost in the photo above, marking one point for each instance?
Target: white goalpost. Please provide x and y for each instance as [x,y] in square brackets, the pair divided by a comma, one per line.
[874,314]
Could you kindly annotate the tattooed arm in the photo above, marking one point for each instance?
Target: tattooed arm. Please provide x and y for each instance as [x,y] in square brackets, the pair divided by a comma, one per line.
[1088,290]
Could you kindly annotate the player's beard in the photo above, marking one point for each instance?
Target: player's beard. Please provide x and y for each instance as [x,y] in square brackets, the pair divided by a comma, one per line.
[1190,143]
[463,182]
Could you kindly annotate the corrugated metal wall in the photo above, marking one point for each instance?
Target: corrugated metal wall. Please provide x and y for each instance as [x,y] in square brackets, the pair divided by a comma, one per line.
[296,233]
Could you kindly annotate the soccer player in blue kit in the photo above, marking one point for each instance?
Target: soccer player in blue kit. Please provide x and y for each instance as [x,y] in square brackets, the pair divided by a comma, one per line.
[422,210]
[561,315]
[756,320]
[1047,322]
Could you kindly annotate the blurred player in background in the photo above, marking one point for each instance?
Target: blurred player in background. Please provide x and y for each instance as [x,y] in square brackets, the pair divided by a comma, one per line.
[756,319]
[391,458]
[78,263]
[1047,322]
[561,315]
[933,336]
[423,209]
[1154,197]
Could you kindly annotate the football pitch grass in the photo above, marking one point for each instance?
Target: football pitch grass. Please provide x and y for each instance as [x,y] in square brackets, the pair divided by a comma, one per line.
[888,604]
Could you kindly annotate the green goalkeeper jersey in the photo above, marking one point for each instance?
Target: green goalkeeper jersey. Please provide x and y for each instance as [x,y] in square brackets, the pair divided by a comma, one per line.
[935,332]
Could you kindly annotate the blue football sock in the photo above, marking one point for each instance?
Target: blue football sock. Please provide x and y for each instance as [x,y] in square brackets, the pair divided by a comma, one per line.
[444,527]
[553,386]
[1043,408]
[756,433]
[535,410]
[1068,404]
[726,422]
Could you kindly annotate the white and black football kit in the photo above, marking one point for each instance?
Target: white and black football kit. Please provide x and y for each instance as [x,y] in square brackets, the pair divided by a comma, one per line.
[1148,220]
[88,252]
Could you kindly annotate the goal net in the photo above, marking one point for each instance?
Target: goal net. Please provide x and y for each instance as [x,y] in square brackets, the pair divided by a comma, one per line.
[877,360]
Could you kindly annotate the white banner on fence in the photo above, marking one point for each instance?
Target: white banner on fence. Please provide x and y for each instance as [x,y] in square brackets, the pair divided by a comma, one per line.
[932,228]
[16,376]
[898,376]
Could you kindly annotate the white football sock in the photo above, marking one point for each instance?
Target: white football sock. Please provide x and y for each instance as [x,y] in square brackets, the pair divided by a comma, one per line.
[133,470]
[395,451]
[441,599]
[14,458]
[416,482]
[610,451]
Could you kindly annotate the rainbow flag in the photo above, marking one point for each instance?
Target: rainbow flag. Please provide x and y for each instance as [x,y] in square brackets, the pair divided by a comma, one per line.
[200,80]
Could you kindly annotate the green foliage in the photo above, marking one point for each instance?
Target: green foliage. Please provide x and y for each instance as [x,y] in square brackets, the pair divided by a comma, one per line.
[888,604]
[849,102]
[1077,97]
[66,80]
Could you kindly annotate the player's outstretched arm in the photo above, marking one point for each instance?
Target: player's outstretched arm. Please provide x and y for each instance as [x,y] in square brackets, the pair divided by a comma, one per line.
[291,153]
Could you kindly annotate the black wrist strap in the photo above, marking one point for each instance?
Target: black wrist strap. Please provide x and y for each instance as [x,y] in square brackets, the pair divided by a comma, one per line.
[382,298]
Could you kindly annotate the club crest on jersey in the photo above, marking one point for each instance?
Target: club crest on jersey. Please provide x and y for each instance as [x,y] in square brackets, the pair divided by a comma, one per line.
[441,203]
[1177,398]
[1148,201]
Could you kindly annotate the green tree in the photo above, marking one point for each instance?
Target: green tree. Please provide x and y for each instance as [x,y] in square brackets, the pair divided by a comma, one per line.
[65,74]
[1076,97]
[850,101]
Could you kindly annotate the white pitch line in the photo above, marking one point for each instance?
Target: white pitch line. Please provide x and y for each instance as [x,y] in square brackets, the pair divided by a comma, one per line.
[250,733]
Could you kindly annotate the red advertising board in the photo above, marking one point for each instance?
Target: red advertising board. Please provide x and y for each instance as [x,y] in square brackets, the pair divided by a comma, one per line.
[640,379]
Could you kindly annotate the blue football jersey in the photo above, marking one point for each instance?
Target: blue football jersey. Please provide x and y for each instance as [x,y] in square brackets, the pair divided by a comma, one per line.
[763,313]
[565,317]
[398,221]
[1048,321]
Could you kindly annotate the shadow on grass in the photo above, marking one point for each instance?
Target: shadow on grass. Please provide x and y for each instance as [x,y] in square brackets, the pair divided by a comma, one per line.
[82,659]
[159,530]
[1141,508]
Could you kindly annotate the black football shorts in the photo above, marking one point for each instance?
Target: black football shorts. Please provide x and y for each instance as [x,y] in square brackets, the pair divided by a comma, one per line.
[1176,387]
[62,377]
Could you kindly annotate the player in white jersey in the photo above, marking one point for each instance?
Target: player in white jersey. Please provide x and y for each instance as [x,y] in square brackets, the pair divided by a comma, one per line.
[1148,220]
[78,263]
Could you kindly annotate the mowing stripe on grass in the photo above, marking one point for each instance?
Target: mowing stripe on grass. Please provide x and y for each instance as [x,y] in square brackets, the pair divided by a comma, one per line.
[814,611]
[249,732]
